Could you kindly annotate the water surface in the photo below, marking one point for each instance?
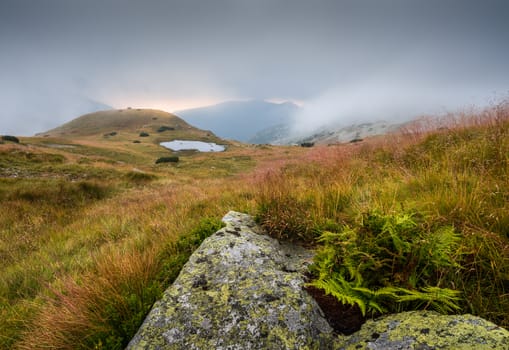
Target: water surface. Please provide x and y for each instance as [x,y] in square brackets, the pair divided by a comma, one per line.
[180,145]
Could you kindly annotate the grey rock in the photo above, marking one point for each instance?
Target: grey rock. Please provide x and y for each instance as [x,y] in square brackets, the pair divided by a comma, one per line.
[426,330]
[239,290]
[243,290]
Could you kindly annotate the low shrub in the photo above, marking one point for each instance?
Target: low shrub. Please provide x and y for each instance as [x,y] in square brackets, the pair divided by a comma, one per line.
[307,144]
[286,219]
[165,128]
[282,211]
[144,134]
[172,159]
[10,138]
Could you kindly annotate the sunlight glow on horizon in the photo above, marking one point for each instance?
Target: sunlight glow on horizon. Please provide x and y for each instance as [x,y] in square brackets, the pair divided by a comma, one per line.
[166,105]
[187,103]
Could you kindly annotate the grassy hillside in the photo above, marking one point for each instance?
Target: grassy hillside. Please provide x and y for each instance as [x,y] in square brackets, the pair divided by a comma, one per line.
[92,230]
[417,220]
[92,218]
[117,120]
[125,136]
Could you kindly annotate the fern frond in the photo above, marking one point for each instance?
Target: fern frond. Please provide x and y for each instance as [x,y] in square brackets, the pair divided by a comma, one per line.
[328,237]
[342,291]
[441,247]
[373,305]
[441,299]
[357,266]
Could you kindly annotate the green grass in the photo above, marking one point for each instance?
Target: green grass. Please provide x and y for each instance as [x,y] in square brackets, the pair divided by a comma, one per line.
[110,302]
[453,184]
[106,122]
[92,231]
[69,220]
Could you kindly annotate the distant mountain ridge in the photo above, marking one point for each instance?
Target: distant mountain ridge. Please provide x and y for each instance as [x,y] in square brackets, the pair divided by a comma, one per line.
[327,134]
[272,135]
[240,120]
[257,122]
[331,134]
[262,122]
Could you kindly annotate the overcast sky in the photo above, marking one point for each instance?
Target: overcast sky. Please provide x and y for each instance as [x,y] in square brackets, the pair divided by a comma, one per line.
[337,58]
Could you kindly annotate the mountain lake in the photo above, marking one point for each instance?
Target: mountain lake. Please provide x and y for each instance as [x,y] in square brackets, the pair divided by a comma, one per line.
[180,145]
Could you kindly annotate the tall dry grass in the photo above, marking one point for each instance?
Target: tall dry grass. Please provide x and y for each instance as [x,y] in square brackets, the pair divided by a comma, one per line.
[96,307]
[450,171]
[85,276]
[105,268]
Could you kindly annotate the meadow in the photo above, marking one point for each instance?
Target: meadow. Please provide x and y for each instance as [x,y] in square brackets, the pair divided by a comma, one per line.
[92,232]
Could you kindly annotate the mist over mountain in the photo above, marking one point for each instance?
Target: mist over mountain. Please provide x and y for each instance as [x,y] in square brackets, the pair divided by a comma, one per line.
[240,120]
[43,111]
[327,134]
[277,134]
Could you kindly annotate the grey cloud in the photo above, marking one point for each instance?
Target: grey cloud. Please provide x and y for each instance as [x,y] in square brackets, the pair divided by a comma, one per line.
[114,50]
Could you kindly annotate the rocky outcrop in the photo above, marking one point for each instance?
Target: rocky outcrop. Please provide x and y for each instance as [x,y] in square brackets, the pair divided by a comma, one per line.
[244,290]
[239,290]
[426,330]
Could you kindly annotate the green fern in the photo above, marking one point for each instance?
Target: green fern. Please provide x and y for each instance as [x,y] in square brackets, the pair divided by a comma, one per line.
[443,300]
[396,227]
[342,291]
[390,263]
[440,246]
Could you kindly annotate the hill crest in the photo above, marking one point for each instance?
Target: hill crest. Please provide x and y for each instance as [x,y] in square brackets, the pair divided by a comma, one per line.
[130,120]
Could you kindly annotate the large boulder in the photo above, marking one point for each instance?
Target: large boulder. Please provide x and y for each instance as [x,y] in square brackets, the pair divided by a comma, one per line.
[239,290]
[243,290]
[426,330]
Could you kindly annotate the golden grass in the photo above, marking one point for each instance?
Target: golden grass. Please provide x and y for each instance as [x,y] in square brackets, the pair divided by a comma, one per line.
[60,259]
[451,173]
[66,265]
[104,122]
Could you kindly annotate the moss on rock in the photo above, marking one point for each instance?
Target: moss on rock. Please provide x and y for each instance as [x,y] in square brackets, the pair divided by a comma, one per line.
[427,330]
[239,290]
[243,290]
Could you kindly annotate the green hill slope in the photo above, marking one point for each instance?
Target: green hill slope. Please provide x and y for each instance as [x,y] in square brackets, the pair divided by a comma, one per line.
[130,120]
[127,135]
[92,230]
[117,120]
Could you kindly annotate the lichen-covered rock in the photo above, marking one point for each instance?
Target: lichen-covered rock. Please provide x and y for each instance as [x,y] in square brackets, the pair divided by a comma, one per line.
[243,290]
[427,330]
[239,290]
